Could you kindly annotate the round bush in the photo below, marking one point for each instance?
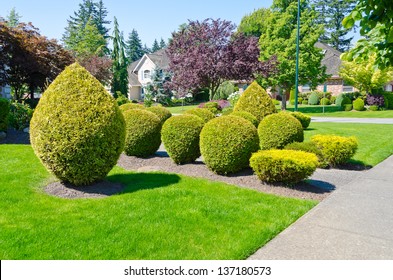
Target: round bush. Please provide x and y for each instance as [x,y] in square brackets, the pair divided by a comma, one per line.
[309,147]
[256,101]
[373,108]
[143,136]
[77,129]
[4,111]
[333,99]
[204,114]
[162,113]
[227,143]
[247,116]
[336,149]
[286,166]
[325,101]
[358,104]
[130,106]
[302,118]
[348,107]
[278,130]
[305,102]
[180,135]
[313,99]
[341,100]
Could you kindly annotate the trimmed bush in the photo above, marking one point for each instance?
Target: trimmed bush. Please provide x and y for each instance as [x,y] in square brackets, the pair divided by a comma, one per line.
[20,115]
[4,111]
[342,100]
[180,135]
[204,114]
[358,104]
[299,100]
[309,147]
[325,101]
[276,102]
[287,166]
[77,129]
[162,113]
[313,99]
[305,102]
[277,130]
[333,99]
[143,136]
[247,116]
[373,108]
[302,118]
[227,143]
[122,100]
[256,101]
[212,106]
[348,107]
[336,150]
[388,100]
[131,106]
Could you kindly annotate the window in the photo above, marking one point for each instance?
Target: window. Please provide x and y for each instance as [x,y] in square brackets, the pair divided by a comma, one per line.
[146,74]
[347,87]
[306,88]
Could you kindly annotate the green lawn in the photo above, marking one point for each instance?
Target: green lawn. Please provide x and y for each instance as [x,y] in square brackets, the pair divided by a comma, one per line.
[375,140]
[181,109]
[159,216]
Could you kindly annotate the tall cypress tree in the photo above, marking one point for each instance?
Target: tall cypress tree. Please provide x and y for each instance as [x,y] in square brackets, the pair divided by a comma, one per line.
[119,66]
[134,49]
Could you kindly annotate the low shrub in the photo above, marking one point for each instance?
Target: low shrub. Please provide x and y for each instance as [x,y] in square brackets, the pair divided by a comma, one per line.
[336,150]
[313,99]
[373,108]
[233,98]
[305,102]
[309,147]
[388,100]
[299,100]
[4,111]
[302,118]
[322,94]
[205,114]
[278,130]
[342,100]
[325,101]
[227,143]
[358,104]
[287,166]
[276,102]
[130,106]
[247,116]
[20,115]
[348,107]
[333,99]
[212,106]
[180,135]
[142,133]
[162,113]
[375,99]
[122,100]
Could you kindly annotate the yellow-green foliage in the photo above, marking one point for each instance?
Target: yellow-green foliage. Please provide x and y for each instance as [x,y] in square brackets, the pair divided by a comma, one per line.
[180,135]
[302,118]
[336,149]
[162,113]
[247,116]
[77,129]
[130,106]
[4,111]
[286,166]
[256,101]
[227,143]
[142,133]
[205,114]
[277,130]
[309,147]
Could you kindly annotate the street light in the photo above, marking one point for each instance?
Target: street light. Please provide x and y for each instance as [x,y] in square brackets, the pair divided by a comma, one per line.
[297,55]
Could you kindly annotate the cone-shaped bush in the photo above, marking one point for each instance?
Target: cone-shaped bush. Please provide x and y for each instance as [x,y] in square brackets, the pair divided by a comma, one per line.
[77,129]
[256,101]
[180,135]
[227,144]
[143,136]
[205,114]
[162,113]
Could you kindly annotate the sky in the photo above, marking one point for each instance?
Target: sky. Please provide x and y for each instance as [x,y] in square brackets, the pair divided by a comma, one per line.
[152,19]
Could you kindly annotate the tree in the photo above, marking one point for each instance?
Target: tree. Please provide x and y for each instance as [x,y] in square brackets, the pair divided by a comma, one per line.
[331,15]
[363,76]
[119,65]
[100,19]
[134,50]
[99,66]
[157,87]
[155,46]
[13,18]
[162,44]
[205,54]
[254,24]
[376,23]
[280,40]
[146,49]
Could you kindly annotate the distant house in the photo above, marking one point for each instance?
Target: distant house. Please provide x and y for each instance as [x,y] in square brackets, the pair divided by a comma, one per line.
[140,71]
[5,92]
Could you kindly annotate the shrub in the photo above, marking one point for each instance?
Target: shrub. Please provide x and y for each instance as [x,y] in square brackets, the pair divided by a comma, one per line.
[322,94]
[247,116]
[388,99]
[77,129]
[227,143]
[313,99]
[4,111]
[162,113]
[375,99]
[122,100]
[20,115]
[256,101]
[348,107]
[358,104]
[299,100]
[276,102]
[278,130]
[336,149]
[333,99]
[324,101]
[204,114]
[286,166]
[143,137]
[180,135]
[234,98]
[302,118]
[341,100]
[305,102]
[130,106]
[309,147]
[373,108]
[212,106]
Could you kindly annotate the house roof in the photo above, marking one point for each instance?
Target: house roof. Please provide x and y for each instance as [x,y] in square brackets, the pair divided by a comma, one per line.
[331,59]
[159,58]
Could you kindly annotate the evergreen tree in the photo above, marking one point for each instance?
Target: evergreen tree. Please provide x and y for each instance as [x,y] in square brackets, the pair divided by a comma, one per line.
[155,46]
[100,19]
[119,66]
[134,48]
[146,49]
[162,44]
[159,92]
[13,18]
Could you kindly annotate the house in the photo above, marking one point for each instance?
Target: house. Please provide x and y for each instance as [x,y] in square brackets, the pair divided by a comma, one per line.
[5,92]
[140,71]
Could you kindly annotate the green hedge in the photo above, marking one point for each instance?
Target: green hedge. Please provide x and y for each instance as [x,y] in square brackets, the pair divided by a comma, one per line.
[205,114]
[227,143]
[389,98]
[302,118]
[4,111]
[287,166]
[180,135]
[247,116]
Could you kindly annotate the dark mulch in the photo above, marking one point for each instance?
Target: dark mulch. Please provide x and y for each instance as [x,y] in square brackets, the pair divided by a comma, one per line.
[16,137]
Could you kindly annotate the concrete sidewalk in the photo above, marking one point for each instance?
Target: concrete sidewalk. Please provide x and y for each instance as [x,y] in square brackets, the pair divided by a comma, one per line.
[353,120]
[354,223]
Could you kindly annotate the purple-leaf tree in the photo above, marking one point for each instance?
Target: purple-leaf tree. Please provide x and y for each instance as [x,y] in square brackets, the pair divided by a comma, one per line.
[205,54]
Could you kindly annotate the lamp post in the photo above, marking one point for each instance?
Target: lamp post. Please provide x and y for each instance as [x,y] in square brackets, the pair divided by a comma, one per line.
[297,55]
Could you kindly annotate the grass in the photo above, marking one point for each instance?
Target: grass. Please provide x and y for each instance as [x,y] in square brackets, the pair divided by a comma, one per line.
[181,109]
[159,216]
[375,140]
